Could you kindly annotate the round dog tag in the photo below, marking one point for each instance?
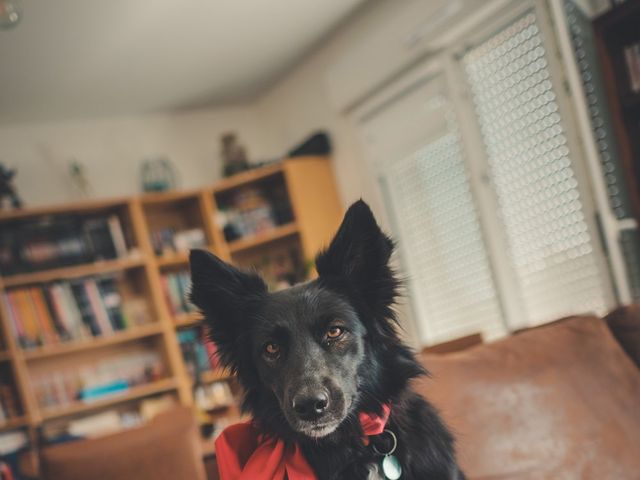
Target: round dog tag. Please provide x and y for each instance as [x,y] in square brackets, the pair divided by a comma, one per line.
[391,467]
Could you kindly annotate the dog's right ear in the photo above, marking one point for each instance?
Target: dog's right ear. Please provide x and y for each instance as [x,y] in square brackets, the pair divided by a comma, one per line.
[224,295]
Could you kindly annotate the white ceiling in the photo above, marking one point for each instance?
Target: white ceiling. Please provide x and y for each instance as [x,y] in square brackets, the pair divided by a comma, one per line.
[85,58]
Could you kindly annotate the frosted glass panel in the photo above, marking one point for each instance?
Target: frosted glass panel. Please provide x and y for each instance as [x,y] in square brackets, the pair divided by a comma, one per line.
[540,206]
[440,235]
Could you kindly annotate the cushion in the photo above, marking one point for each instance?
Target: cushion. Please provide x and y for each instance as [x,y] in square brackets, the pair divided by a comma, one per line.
[168,448]
[561,401]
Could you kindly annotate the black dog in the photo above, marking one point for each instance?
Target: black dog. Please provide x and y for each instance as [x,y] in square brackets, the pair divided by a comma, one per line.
[311,357]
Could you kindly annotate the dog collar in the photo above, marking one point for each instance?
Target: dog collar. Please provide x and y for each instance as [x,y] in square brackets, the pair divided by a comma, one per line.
[244,453]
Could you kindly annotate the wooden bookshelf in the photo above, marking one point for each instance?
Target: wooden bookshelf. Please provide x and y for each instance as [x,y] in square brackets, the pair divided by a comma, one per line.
[217,375]
[263,239]
[187,319]
[65,273]
[13,423]
[66,348]
[173,260]
[614,31]
[313,199]
[133,393]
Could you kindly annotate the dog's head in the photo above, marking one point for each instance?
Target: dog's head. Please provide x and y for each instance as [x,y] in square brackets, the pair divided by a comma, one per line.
[311,356]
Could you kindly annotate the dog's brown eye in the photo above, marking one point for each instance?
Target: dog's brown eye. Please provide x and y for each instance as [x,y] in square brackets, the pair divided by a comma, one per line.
[272,349]
[334,332]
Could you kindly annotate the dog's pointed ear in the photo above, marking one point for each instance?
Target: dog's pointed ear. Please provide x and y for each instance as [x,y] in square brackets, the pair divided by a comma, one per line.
[224,295]
[360,253]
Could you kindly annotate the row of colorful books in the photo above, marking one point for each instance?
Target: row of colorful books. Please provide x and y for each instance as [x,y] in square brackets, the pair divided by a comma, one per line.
[52,242]
[199,354]
[92,382]
[175,287]
[69,310]
[632,58]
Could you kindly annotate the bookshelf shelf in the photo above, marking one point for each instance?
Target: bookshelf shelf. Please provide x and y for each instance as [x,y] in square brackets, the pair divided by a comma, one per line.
[247,178]
[277,233]
[169,197]
[87,206]
[134,333]
[216,375]
[187,319]
[97,268]
[173,260]
[134,393]
[13,423]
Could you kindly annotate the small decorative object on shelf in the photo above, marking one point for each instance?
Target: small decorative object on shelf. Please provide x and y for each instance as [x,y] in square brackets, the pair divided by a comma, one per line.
[252,211]
[234,155]
[169,240]
[7,190]
[318,143]
[214,396]
[158,175]
[78,175]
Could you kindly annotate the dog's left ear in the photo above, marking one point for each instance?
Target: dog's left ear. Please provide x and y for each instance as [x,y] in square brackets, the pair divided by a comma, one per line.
[359,253]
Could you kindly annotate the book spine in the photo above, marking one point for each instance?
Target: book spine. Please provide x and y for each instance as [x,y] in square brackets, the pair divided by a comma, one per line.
[42,313]
[174,294]
[56,299]
[79,329]
[112,300]
[101,316]
[27,315]
[14,320]
[636,68]
[87,313]
[164,281]
[117,236]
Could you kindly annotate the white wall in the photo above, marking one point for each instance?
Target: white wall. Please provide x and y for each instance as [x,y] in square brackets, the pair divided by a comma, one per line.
[301,103]
[112,150]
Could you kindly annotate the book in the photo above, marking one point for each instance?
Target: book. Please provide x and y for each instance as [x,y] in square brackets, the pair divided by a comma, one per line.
[59,241]
[98,308]
[175,288]
[85,308]
[15,324]
[49,332]
[95,380]
[117,235]
[632,59]
[112,300]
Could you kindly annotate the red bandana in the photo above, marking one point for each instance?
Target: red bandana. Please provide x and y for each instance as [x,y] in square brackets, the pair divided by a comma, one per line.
[243,453]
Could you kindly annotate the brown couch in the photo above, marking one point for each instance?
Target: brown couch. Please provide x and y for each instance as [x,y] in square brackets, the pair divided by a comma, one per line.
[168,448]
[555,402]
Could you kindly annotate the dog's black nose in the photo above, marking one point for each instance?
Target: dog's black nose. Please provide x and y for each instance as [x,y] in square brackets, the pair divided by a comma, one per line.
[310,406]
